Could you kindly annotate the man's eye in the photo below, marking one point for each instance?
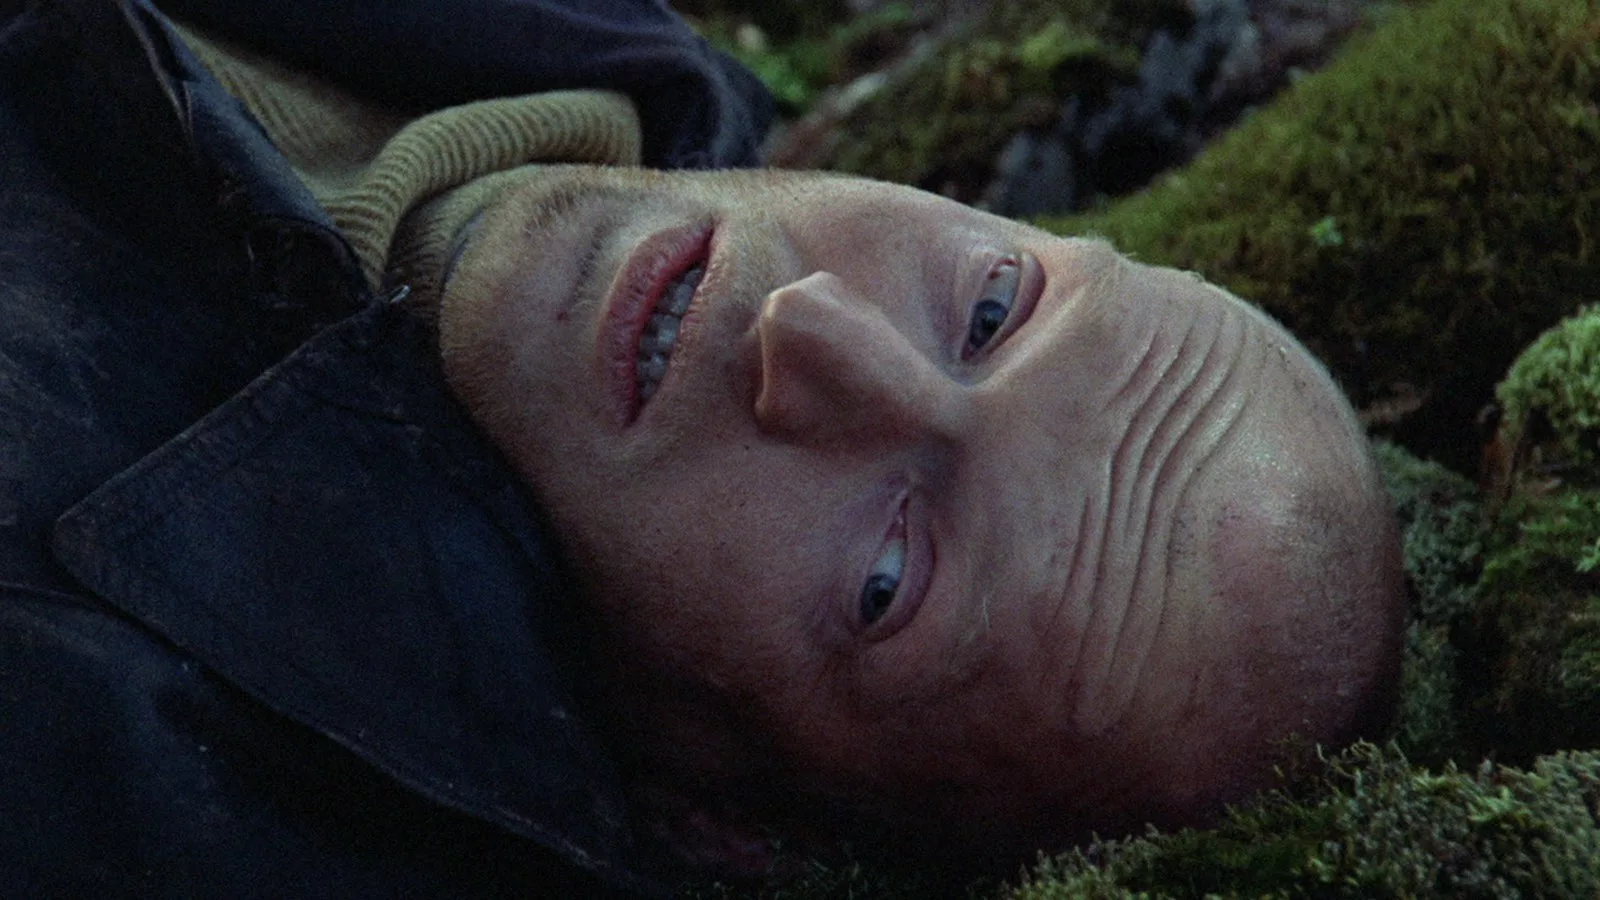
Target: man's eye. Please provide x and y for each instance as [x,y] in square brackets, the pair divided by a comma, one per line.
[990,312]
[883,582]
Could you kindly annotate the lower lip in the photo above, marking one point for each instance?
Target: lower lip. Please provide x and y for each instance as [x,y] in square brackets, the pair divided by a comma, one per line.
[653,264]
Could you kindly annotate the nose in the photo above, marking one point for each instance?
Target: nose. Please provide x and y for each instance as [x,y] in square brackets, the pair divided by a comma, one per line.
[836,370]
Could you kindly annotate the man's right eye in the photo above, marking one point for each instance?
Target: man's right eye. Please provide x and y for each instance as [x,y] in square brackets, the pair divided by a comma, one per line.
[989,314]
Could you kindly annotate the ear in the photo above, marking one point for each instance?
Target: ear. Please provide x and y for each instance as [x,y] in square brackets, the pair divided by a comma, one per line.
[715,837]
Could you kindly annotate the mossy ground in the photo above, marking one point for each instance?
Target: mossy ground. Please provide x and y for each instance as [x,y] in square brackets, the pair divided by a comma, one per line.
[1372,825]
[799,49]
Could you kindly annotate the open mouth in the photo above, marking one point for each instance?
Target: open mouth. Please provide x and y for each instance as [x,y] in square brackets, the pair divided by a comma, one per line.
[652,297]
[660,334]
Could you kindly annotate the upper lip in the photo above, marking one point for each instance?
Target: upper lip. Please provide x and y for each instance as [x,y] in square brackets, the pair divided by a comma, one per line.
[654,263]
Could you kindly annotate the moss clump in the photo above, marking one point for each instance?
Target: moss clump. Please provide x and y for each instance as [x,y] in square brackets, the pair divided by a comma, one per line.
[1441,527]
[1535,640]
[1429,724]
[941,123]
[1372,825]
[1557,380]
[1416,212]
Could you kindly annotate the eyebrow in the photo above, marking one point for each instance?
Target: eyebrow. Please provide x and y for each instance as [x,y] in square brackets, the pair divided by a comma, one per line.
[544,212]
[568,198]
[590,260]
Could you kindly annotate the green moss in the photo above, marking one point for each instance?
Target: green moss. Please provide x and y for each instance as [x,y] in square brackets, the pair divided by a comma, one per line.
[1417,211]
[1429,722]
[1543,542]
[1441,526]
[1442,529]
[1536,636]
[1503,648]
[1365,823]
[1558,379]
[803,49]
[1371,825]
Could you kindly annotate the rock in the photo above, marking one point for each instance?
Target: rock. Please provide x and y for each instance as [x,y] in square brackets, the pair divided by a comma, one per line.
[1192,83]
[1037,175]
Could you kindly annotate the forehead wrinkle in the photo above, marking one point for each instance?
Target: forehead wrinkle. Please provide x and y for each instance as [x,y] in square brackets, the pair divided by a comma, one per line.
[1208,410]
[1196,444]
[1126,490]
[1084,549]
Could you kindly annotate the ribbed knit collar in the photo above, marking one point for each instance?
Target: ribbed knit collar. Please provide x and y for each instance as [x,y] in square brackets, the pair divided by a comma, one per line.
[371,165]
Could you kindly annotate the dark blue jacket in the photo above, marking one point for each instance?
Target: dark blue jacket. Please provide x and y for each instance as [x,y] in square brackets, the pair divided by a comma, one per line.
[274,621]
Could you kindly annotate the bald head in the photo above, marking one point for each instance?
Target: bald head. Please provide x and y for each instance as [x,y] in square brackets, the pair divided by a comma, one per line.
[1287,541]
[922,513]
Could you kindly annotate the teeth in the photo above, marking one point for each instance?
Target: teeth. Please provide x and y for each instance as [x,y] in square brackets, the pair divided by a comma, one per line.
[661,332]
[666,329]
[651,369]
[675,300]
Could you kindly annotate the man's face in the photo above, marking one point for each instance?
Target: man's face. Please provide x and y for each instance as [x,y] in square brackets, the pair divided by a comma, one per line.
[950,504]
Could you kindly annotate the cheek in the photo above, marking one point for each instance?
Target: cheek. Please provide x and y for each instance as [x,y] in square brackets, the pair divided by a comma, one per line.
[712,563]
[1032,519]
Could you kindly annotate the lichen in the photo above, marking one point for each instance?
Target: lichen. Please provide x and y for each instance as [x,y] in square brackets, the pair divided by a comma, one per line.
[1416,212]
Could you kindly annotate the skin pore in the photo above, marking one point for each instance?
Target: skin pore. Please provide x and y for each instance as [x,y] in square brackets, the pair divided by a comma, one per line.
[969,527]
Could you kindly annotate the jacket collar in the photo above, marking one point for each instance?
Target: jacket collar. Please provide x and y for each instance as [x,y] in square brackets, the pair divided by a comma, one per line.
[294,253]
[338,542]
[336,539]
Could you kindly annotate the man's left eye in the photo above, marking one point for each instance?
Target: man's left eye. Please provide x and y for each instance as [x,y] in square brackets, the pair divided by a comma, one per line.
[883,582]
[989,314]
